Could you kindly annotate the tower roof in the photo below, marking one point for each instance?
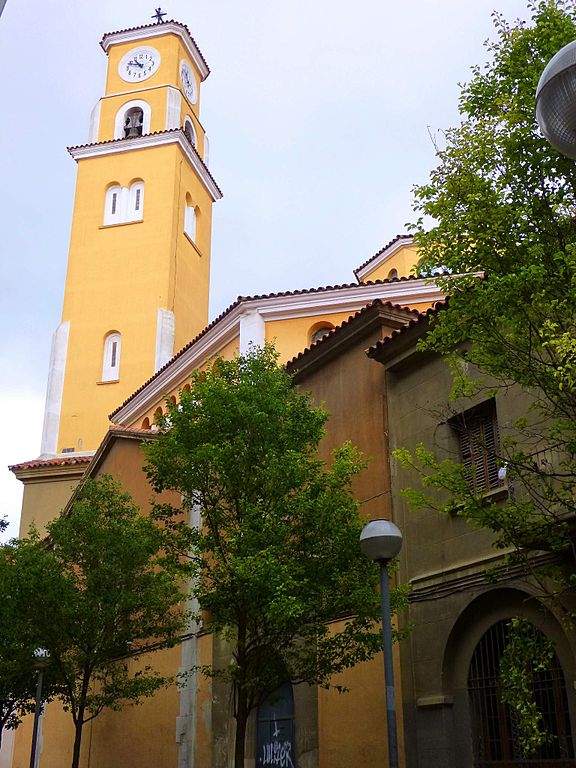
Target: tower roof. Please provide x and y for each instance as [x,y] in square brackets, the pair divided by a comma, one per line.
[146,31]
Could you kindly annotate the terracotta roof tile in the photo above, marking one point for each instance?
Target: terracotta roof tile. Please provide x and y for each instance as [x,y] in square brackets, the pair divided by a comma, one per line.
[155,25]
[241,300]
[339,328]
[58,461]
[423,317]
[394,240]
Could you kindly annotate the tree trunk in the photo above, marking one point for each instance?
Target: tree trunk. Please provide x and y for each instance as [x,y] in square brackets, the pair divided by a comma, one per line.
[241,721]
[79,719]
[77,743]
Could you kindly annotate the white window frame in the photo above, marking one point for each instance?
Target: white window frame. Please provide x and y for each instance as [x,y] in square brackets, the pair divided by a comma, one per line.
[136,197]
[121,116]
[188,121]
[190,221]
[113,205]
[111,357]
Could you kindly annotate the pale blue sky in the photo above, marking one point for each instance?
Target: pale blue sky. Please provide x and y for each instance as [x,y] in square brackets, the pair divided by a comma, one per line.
[318,115]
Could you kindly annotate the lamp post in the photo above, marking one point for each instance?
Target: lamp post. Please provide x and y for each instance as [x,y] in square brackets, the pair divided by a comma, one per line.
[42,659]
[381,541]
[556,101]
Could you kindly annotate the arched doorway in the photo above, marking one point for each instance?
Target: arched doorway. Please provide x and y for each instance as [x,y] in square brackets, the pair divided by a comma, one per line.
[275,745]
[494,739]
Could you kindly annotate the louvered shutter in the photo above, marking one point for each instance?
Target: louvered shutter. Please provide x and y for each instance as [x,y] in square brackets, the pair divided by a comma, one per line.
[478,438]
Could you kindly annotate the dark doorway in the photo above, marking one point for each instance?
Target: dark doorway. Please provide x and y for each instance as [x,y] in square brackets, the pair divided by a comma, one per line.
[275,747]
[493,733]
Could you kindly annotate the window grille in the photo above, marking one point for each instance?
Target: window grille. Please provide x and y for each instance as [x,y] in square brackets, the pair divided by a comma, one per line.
[494,735]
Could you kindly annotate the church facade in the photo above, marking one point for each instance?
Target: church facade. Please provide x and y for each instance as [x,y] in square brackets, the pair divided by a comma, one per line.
[133,329]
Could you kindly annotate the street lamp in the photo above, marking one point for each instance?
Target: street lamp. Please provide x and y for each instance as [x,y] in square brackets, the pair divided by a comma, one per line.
[41,661]
[556,101]
[381,541]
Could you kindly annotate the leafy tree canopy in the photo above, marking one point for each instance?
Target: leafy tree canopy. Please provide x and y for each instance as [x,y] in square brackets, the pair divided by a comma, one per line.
[276,558]
[501,204]
[101,587]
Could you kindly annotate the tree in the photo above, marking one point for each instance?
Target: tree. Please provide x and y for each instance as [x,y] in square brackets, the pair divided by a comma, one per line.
[18,639]
[105,585]
[276,558]
[501,201]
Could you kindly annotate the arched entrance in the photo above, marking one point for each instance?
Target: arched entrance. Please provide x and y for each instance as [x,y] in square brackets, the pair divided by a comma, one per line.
[494,739]
[275,745]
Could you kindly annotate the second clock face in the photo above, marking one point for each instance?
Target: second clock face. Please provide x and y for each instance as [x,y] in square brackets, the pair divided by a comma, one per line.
[188,82]
[139,64]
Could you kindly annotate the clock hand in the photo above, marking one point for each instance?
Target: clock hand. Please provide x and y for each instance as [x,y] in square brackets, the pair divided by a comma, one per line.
[136,64]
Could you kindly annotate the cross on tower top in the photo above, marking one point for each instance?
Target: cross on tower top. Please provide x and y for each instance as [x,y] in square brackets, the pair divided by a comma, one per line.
[159,15]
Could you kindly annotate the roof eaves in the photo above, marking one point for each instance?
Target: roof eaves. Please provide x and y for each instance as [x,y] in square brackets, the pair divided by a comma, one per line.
[376,351]
[243,300]
[155,26]
[399,238]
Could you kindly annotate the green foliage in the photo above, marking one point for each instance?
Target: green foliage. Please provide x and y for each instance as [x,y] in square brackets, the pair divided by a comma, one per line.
[527,652]
[497,214]
[18,639]
[102,586]
[276,559]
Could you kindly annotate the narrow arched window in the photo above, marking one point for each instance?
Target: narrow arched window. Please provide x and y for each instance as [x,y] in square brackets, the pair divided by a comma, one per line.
[136,201]
[190,219]
[393,274]
[133,122]
[189,131]
[111,358]
[113,205]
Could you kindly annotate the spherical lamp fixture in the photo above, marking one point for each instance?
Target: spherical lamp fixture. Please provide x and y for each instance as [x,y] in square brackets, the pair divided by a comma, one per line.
[380,540]
[556,101]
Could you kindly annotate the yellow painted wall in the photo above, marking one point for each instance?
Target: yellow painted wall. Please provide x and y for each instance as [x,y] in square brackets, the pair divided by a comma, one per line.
[292,335]
[43,501]
[403,261]
[352,725]
[120,275]
[171,52]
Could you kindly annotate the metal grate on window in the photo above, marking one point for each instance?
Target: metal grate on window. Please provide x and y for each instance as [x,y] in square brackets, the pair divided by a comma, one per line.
[494,735]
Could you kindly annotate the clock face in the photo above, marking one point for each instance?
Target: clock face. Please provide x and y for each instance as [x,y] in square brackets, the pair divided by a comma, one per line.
[139,64]
[188,82]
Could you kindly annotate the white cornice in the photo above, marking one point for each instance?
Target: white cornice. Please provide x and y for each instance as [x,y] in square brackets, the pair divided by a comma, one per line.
[152,140]
[345,299]
[383,256]
[155,30]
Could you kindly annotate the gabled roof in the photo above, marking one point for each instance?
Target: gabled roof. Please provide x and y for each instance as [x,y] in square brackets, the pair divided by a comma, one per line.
[243,303]
[153,30]
[395,316]
[390,248]
[385,349]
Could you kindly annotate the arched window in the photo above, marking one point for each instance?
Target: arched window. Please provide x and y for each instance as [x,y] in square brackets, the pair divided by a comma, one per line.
[493,733]
[132,119]
[189,131]
[136,201]
[206,151]
[113,204]
[393,274]
[190,218]
[275,742]
[111,357]
[319,331]
[146,423]
[133,123]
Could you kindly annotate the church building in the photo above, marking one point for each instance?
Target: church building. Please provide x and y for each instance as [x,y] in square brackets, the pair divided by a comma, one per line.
[134,328]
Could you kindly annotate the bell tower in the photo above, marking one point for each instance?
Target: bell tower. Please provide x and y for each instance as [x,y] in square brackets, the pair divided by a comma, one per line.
[139,261]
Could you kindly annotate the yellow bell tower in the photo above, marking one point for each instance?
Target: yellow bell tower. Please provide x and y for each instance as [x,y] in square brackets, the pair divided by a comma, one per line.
[139,261]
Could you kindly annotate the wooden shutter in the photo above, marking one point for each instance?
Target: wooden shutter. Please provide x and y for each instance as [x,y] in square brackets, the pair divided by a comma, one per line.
[477,431]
